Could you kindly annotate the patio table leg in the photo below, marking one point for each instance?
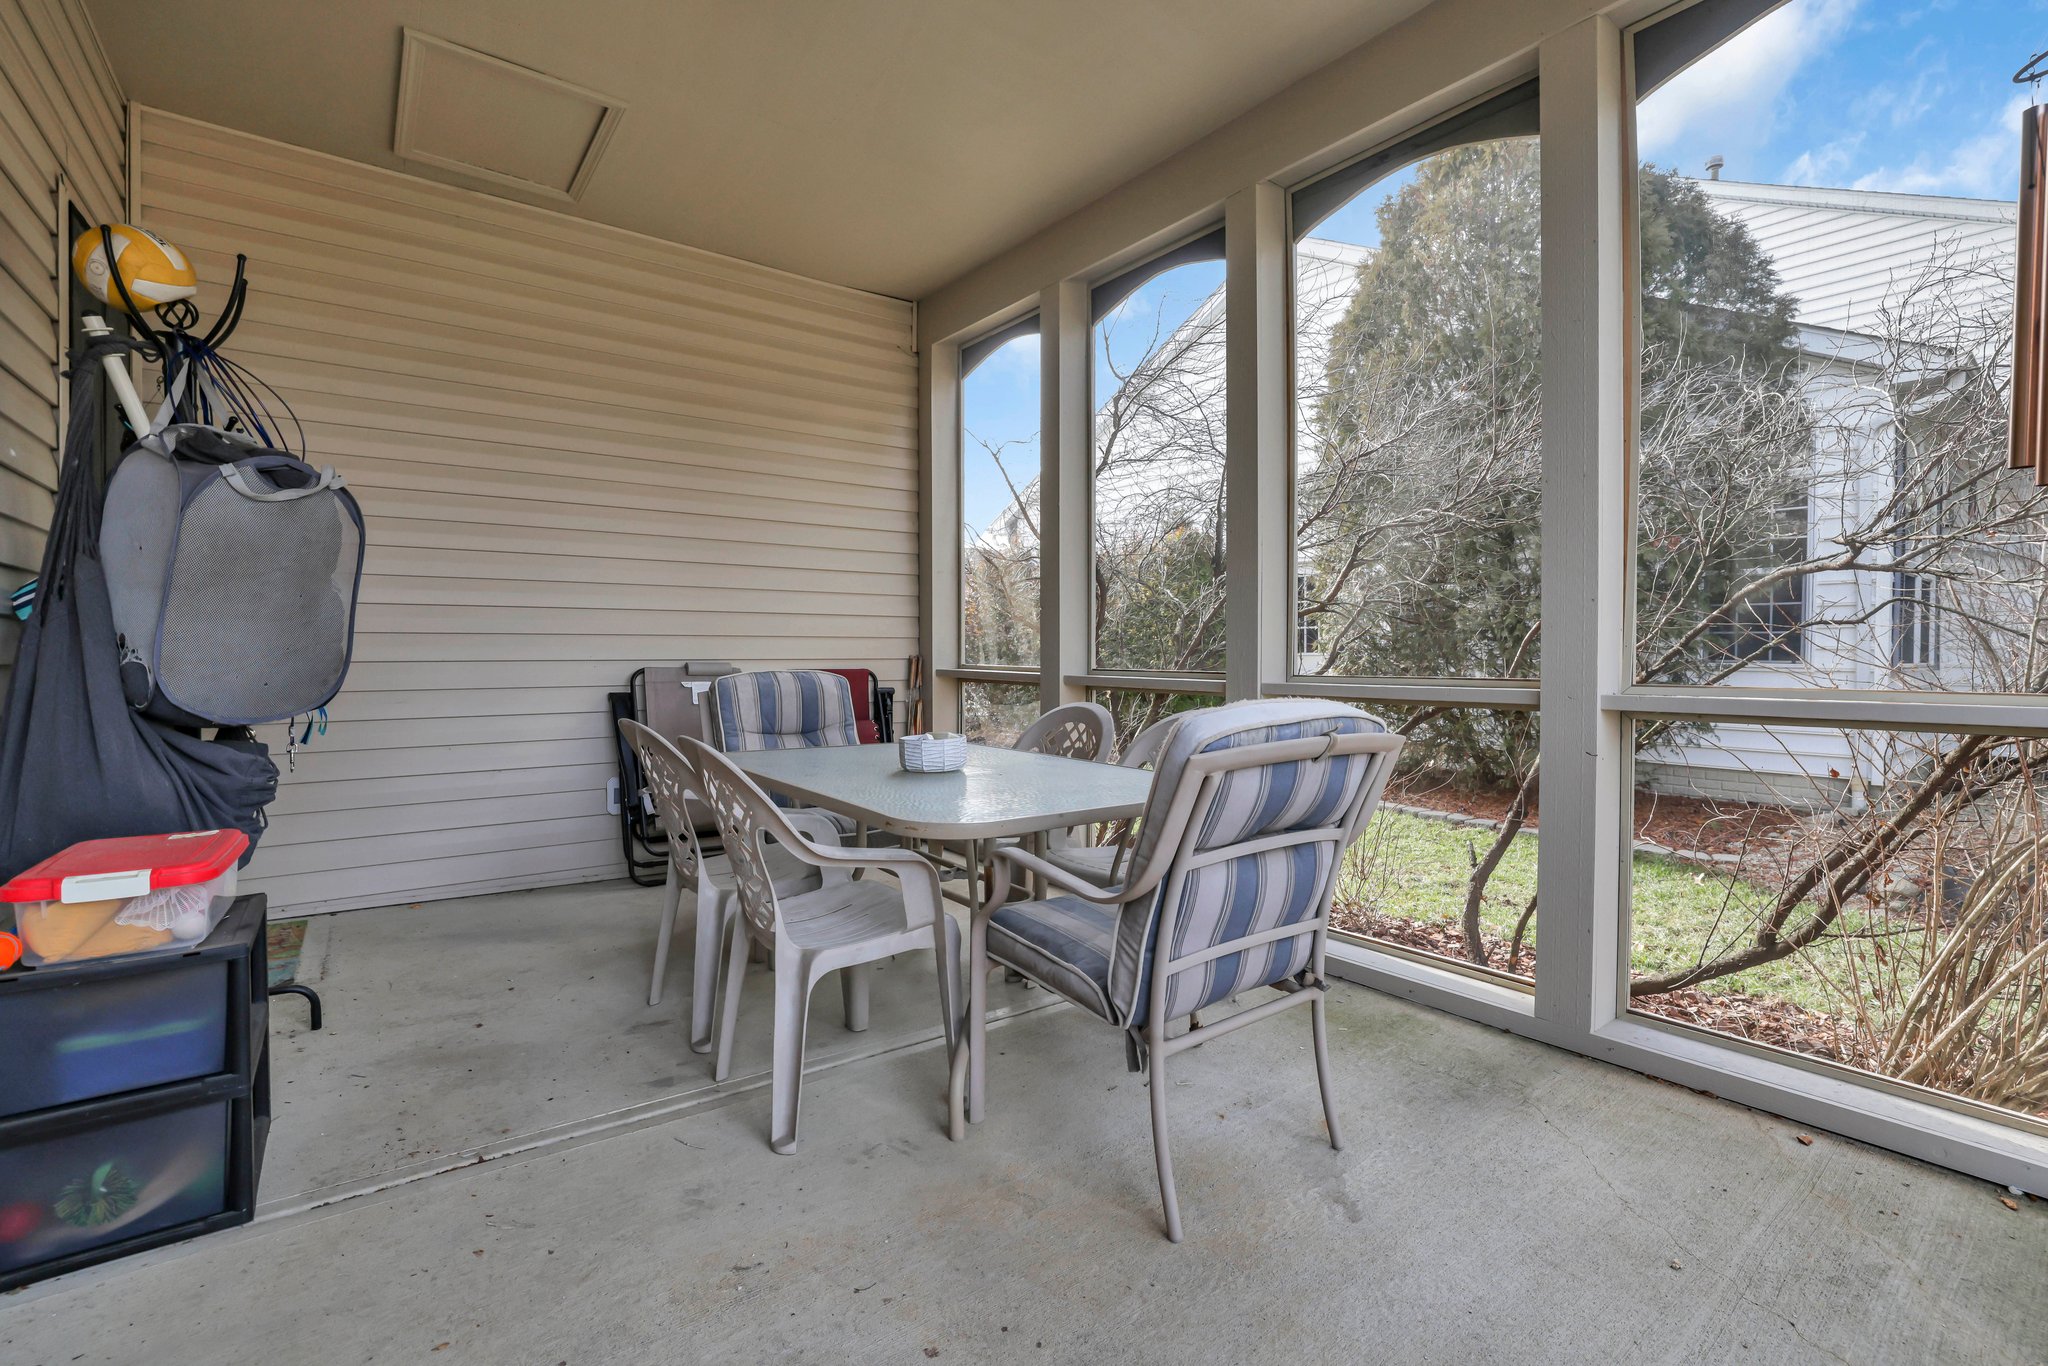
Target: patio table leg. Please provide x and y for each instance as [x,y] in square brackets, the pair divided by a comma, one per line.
[972,1057]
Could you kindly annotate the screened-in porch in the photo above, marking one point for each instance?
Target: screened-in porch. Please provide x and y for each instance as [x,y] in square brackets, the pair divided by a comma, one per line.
[1490,560]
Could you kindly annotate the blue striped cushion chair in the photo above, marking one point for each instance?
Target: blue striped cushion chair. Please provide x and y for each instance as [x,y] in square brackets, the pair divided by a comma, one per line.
[1233,856]
[785,709]
[1101,957]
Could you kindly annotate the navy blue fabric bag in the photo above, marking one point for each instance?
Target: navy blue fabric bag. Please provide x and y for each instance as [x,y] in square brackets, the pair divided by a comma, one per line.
[77,762]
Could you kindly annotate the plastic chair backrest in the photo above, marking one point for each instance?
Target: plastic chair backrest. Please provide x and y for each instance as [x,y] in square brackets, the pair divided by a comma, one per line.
[1078,730]
[746,818]
[1144,746]
[671,780]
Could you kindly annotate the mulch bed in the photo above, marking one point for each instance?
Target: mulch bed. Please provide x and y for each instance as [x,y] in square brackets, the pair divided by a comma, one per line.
[1758,1019]
[1440,937]
[1683,823]
[1764,845]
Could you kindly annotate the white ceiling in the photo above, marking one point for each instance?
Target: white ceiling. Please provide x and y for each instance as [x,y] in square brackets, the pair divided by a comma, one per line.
[886,144]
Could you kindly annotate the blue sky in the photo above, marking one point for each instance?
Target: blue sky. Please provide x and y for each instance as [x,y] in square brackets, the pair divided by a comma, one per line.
[1908,97]
[999,401]
[1913,97]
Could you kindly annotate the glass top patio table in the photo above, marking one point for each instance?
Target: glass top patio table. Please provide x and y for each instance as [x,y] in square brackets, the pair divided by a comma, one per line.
[1000,792]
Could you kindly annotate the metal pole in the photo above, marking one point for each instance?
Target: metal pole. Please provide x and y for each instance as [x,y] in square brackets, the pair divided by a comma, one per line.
[117,375]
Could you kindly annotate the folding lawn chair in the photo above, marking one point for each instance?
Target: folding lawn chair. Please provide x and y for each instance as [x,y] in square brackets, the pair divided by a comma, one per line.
[668,700]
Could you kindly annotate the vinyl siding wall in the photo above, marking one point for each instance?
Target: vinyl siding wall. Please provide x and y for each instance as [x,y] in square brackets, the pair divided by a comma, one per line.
[578,451]
[60,134]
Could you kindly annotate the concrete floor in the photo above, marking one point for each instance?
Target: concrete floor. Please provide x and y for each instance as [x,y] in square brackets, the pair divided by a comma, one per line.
[1498,1201]
[483,1026]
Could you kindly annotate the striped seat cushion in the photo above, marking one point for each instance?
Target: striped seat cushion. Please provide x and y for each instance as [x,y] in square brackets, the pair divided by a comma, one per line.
[784,709]
[1062,943]
[1091,861]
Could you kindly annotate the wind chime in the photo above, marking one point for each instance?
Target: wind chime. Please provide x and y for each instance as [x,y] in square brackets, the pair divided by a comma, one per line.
[2030,347]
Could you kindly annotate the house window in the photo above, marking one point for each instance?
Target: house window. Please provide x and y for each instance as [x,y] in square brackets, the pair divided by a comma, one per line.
[1308,624]
[1913,605]
[1913,624]
[1766,627]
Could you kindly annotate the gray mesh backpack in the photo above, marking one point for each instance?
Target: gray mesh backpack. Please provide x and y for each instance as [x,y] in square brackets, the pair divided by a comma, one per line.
[233,571]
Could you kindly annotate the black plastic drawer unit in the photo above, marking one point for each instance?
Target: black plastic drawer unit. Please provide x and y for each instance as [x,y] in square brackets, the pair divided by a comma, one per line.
[135,1100]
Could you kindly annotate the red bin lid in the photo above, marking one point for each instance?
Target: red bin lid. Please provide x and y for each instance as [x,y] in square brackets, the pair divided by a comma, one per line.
[97,870]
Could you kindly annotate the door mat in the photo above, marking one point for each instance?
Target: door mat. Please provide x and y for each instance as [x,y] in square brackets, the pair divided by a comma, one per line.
[285,939]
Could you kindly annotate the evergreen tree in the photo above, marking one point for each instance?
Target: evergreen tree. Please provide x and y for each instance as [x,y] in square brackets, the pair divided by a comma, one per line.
[1419,500]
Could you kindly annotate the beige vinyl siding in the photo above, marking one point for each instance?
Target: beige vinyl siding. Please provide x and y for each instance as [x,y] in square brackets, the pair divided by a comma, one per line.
[61,122]
[578,451]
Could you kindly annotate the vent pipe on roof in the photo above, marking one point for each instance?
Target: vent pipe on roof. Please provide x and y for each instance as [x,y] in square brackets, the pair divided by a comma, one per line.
[1714,165]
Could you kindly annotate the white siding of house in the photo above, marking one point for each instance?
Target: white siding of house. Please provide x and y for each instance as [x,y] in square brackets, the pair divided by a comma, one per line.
[1847,255]
[578,451]
[60,119]
[1850,258]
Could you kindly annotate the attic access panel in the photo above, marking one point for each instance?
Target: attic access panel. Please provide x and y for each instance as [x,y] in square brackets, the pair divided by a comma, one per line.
[495,121]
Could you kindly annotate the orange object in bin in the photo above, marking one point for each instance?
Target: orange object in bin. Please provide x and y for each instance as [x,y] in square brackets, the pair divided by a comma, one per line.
[138,894]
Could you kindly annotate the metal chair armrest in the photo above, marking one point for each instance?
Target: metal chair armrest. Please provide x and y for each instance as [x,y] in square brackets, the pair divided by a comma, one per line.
[1054,876]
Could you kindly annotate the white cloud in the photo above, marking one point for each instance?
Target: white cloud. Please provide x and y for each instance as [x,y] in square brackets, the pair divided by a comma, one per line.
[1825,165]
[1984,163]
[1739,85]
[1902,105]
[1015,358]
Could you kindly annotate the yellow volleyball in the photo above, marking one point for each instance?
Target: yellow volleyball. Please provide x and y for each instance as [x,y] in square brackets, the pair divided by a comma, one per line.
[155,272]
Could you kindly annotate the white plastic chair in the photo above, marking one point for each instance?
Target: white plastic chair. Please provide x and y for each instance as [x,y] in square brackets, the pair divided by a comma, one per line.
[706,878]
[841,926]
[1078,730]
[1103,863]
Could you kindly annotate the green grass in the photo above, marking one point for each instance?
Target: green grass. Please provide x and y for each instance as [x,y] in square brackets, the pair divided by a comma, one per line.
[1420,868]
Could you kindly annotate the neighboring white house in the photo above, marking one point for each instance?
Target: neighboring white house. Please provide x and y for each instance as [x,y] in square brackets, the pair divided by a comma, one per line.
[1851,259]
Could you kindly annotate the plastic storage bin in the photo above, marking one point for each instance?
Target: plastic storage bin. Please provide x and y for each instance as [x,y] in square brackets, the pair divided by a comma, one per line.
[80,1031]
[143,894]
[97,1038]
[80,1183]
